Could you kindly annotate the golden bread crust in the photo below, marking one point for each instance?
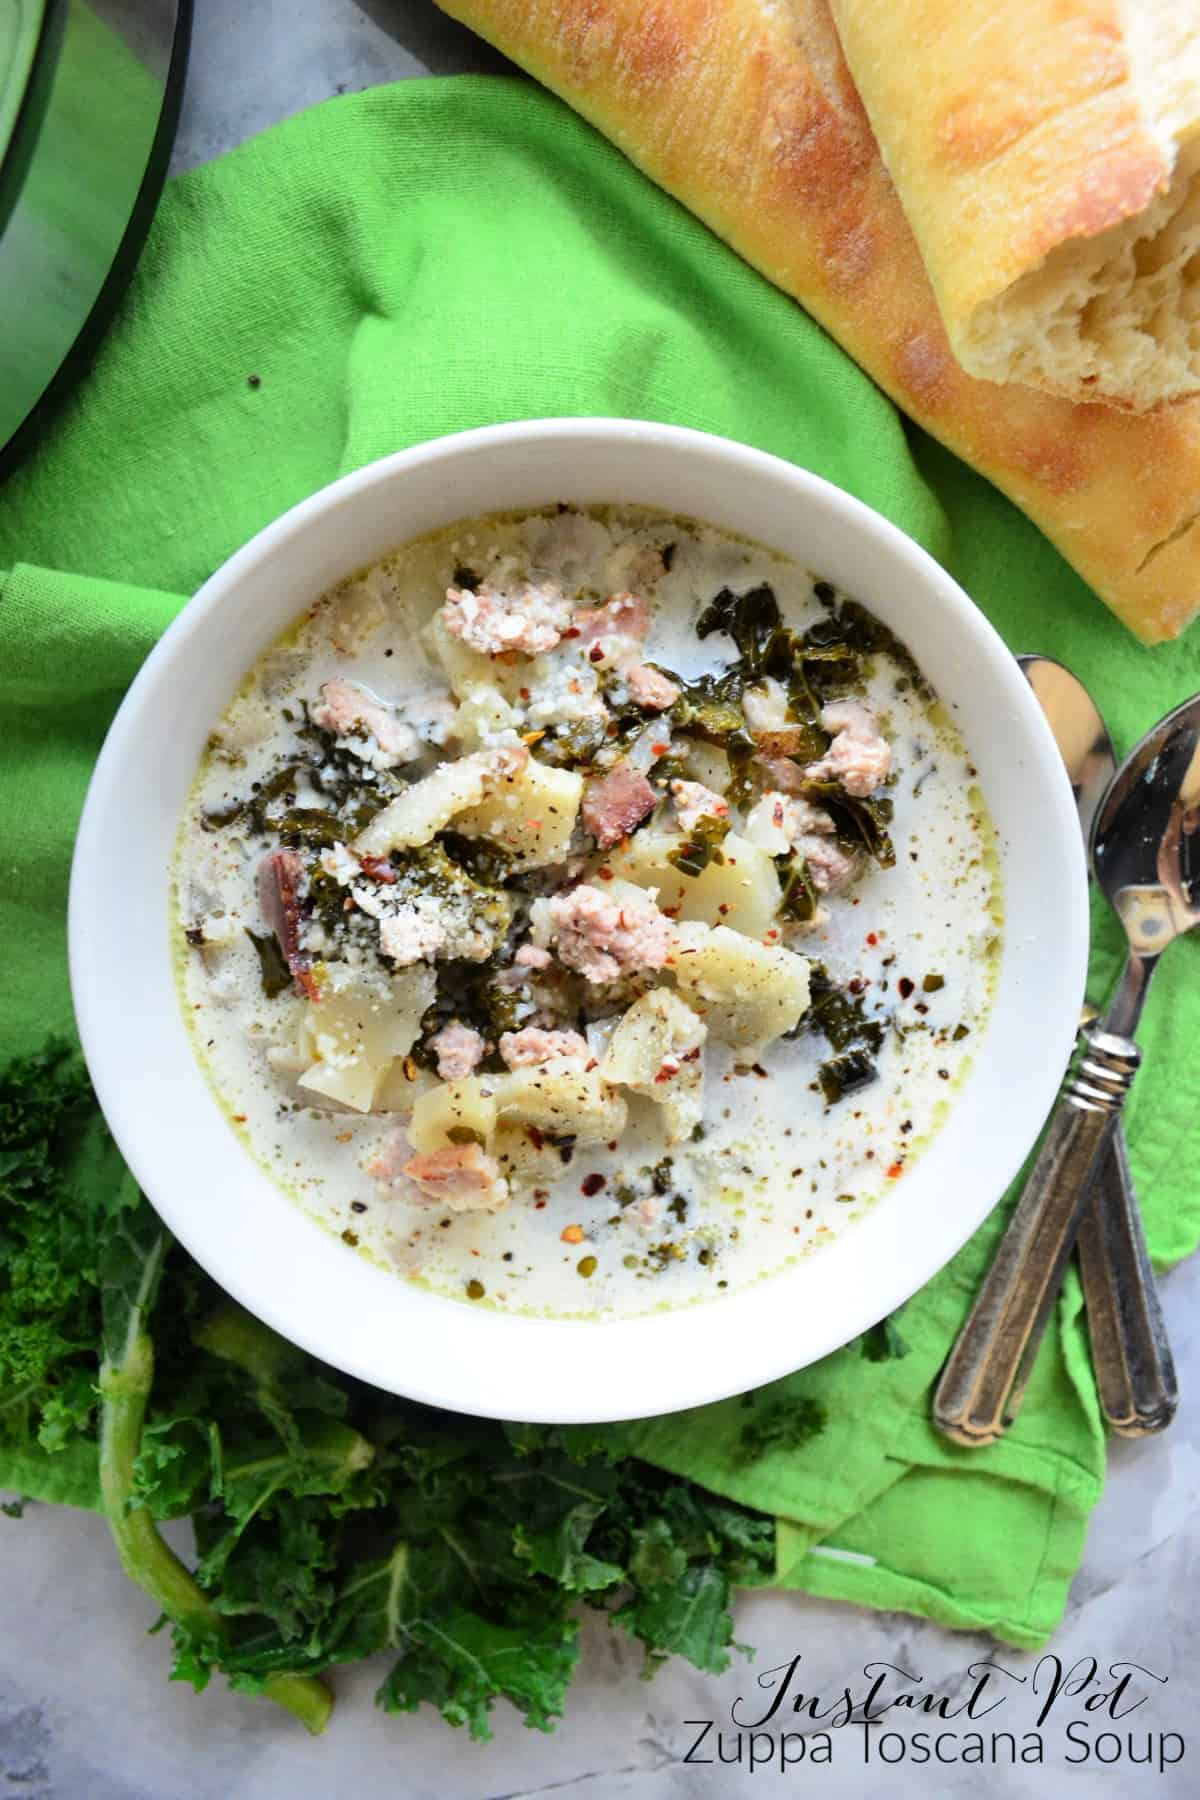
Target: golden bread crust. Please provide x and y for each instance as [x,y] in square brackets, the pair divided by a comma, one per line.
[745,111]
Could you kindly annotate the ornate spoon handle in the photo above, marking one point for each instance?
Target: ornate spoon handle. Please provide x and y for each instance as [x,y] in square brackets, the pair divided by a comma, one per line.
[1135,1371]
[981,1385]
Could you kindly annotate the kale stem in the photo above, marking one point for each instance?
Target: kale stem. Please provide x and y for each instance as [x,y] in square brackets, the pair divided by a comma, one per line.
[145,1557]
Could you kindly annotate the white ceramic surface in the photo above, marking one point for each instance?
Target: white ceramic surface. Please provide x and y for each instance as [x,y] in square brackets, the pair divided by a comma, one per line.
[259,1244]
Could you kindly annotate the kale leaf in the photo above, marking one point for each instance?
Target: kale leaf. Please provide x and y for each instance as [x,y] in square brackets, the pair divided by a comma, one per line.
[331,1522]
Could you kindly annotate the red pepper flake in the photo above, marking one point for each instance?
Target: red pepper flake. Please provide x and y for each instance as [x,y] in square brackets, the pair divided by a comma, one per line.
[723,908]
[379,869]
[670,912]
[539,1204]
[612,1144]
[239,1118]
[895,1172]
[572,631]
[659,749]
[772,933]
[855,985]
[591,1184]
[905,987]
[595,654]
[758,1070]
[692,1054]
[525,694]
[605,873]
[572,1234]
[536,1137]
[872,938]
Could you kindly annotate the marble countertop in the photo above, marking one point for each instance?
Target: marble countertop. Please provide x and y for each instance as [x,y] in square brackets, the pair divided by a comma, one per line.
[85,1711]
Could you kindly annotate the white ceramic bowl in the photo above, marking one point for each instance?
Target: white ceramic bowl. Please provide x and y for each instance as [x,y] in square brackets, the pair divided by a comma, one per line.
[259,1244]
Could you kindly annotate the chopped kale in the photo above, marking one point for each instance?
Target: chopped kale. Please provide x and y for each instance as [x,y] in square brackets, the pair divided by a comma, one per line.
[858,823]
[839,1015]
[846,1073]
[273,969]
[311,828]
[752,620]
[575,746]
[701,846]
[485,862]
[710,707]
[851,624]
[468,993]
[798,896]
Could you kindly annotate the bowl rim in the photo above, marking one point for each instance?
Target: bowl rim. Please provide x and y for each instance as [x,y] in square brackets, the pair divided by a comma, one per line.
[473,1331]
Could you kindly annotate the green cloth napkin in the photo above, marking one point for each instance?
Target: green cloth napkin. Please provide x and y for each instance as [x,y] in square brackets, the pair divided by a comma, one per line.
[446,253]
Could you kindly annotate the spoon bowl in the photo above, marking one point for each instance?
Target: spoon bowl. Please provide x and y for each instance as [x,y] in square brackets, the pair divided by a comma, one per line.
[1146,851]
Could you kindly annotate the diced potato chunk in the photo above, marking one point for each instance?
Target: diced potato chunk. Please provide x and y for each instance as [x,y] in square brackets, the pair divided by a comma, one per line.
[421,811]
[657,1050]
[562,1102]
[454,1112]
[526,1157]
[466,669]
[351,1037]
[704,762]
[742,891]
[748,993]
[482,715]
[531,817]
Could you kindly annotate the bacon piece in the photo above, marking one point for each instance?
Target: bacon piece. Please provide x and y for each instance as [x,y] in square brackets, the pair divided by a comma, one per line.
[280,876]
[460,1176]
[459,1051]
[650,687]
[522,1049]
[616,803]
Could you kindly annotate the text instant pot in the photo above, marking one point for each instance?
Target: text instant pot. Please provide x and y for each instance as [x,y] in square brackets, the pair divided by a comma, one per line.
[1047,1712]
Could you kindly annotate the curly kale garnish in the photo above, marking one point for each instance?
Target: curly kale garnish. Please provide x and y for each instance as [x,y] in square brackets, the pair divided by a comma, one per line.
[781,1425]
[332,1522]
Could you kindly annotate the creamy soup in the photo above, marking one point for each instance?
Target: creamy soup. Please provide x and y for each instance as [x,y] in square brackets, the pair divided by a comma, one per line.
[586,911]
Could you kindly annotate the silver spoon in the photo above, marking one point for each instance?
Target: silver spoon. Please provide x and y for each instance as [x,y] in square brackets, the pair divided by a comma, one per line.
[1146,857]
[1131,1353]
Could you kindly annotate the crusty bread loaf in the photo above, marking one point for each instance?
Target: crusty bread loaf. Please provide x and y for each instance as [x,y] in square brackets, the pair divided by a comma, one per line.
[744,110]
[1047,155]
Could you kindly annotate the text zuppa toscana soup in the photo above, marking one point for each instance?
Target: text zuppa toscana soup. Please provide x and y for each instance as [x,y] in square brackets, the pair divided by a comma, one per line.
[586,911]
